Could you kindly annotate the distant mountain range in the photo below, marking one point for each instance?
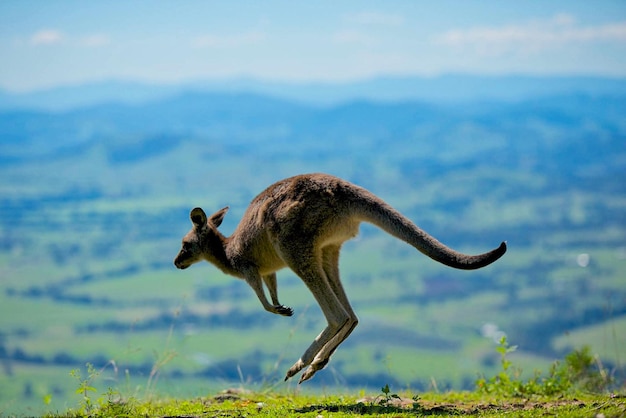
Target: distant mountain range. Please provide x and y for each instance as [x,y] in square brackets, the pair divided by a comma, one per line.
[442,89]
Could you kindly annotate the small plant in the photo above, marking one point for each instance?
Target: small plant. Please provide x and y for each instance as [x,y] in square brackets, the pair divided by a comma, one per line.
[110,399]
[505,381]
[577,371]
[85,387]
[387,396]
[416,403]
[586,370]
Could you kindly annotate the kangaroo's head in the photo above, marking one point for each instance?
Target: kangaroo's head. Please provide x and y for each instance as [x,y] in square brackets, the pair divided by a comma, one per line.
[204,241]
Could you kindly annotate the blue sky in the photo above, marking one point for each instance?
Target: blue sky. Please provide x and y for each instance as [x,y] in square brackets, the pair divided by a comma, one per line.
[51,43]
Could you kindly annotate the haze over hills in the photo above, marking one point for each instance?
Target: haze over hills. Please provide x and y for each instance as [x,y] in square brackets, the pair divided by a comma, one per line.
[440,89]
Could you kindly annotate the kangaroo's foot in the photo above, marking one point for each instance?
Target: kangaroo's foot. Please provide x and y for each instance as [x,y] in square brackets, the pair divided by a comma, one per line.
[313,368]
[316,358]
[318,354]
[293,370]
[282,310]
[311,354]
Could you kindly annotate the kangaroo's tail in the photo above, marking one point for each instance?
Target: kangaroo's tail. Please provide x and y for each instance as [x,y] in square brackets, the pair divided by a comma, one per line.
[374,210]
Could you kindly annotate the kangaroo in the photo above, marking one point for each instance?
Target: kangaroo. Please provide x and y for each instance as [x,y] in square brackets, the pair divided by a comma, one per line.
[301,222]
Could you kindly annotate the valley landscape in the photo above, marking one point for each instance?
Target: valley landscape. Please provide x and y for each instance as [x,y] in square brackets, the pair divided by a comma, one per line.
[95,197]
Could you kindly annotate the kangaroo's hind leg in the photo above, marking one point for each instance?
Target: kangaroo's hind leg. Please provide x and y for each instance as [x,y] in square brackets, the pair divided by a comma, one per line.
[310,267]
[330,262]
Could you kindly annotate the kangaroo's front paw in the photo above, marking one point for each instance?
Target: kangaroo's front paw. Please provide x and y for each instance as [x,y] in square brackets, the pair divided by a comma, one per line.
[284,310]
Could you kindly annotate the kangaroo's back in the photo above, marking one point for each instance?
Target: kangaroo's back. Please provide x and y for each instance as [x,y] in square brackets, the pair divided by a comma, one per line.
[319,208]
[308,207]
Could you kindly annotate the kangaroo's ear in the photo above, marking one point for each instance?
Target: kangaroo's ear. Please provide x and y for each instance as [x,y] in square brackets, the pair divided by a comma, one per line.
[217,218]
[198,217]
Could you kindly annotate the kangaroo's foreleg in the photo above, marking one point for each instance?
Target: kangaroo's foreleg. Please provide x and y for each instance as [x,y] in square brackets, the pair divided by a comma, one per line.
[256,283]
[338,318]
[270,282]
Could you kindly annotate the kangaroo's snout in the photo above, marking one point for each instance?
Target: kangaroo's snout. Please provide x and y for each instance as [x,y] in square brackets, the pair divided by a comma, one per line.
[179,264]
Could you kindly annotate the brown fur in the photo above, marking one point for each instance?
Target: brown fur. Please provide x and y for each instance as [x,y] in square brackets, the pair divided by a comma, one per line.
[301,223]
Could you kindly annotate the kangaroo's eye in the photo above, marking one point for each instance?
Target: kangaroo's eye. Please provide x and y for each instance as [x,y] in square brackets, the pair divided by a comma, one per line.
[186,246]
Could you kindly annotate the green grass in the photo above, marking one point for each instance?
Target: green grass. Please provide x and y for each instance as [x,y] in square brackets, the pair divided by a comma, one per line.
[573,387]
[272,404]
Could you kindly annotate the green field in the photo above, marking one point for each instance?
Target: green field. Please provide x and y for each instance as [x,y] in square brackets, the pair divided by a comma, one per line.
[88,235]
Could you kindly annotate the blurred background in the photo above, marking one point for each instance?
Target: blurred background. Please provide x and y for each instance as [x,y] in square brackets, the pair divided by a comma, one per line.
[481,121]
